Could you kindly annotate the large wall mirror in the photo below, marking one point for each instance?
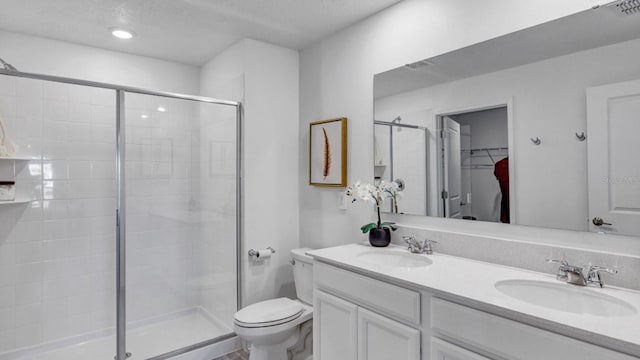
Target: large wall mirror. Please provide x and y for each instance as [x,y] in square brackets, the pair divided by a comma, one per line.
[540,127]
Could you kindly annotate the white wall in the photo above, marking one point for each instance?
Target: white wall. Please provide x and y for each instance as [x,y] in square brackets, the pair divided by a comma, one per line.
[270,94]
[336,79]
[51,57]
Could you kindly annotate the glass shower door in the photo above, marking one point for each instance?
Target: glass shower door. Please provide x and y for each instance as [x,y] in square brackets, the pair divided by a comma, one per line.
[181,225]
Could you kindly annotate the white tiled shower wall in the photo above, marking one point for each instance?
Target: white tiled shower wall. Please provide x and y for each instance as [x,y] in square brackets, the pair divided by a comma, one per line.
[57,250]
[57,262]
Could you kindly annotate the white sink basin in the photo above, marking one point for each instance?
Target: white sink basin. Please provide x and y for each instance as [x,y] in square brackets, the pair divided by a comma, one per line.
[394,259]
[565,297]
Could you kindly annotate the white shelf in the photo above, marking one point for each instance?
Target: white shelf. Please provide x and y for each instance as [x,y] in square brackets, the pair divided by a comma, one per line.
[15,202]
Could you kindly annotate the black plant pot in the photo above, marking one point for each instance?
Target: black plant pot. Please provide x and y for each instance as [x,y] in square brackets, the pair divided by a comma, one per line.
[379,237]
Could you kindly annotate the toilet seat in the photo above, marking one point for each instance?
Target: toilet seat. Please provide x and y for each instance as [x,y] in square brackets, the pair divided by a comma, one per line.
[268,313]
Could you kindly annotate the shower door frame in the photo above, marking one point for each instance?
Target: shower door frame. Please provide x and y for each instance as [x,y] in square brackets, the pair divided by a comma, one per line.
[121,266]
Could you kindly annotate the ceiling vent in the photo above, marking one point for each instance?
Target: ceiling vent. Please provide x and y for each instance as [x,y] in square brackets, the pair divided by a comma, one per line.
[626,7]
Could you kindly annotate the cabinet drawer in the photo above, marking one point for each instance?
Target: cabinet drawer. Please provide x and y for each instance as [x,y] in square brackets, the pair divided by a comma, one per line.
[442,350]
[392,300]
[510,339]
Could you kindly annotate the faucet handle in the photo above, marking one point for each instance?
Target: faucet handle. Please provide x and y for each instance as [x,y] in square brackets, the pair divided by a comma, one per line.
[562,263]
[593,277]
[410,240]
[596,269]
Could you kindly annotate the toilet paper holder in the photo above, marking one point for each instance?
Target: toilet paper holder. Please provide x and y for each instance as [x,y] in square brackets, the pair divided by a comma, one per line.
[253,252]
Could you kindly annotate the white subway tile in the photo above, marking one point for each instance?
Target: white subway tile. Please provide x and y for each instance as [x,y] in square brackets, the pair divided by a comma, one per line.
[7,296]
[56,91]
[79,170]
[28,293]
[28,335]
[79,94]
[79,113]
[55,111]
[54,130]
[104,97]
[80,323]
[7,85]
[8,107]
[32,212]
[7,340]
[55,209]
[28,252]
[28,272]
[25,231]
[103,114]
[56,289]
[7,319]
[28,88]
[79,132]
[103,170]
[54,190]
[6,257]
[31,170]
[27,314]
[57,329]
[29,108]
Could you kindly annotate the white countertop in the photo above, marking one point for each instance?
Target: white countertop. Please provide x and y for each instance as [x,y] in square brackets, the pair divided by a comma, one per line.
[472,283]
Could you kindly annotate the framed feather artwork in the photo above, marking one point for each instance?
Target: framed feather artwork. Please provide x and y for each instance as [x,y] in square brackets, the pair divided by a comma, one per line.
[328,152]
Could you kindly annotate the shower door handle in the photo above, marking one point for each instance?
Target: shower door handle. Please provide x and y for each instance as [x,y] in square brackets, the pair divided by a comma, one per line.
[597,221]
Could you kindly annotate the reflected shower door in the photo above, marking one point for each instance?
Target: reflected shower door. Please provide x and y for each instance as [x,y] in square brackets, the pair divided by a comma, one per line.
[180,223]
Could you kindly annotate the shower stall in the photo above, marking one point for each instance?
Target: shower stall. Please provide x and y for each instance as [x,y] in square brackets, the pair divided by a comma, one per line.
[123,239]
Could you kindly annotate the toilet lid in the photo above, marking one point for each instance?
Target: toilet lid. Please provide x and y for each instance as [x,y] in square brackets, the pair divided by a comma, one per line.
[268,313]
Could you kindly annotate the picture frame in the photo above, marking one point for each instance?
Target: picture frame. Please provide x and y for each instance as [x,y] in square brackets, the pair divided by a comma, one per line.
[328,152]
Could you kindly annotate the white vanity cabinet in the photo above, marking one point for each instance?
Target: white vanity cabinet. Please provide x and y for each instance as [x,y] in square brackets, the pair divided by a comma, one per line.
[442,350]
[380,338]
[502,338]
[360,318]
[335,328]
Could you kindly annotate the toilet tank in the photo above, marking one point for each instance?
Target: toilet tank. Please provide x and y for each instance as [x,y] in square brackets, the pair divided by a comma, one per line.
[303,274]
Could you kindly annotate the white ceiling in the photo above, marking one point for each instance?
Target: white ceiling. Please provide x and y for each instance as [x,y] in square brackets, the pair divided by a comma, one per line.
[187,31]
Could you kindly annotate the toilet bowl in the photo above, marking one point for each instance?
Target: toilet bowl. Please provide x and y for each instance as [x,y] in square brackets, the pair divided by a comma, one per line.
[272,326]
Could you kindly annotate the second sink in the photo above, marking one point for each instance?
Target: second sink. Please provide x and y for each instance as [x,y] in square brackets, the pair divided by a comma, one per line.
[564,297]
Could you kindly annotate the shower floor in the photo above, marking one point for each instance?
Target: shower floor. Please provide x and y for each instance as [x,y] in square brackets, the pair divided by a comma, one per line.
[153,338]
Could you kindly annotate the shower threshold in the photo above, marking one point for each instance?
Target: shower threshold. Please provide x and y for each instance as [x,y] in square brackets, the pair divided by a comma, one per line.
[145,339]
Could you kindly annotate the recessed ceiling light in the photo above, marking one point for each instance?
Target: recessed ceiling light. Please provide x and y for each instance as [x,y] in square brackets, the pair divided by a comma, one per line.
[144,116]
[121,33]
[161,109]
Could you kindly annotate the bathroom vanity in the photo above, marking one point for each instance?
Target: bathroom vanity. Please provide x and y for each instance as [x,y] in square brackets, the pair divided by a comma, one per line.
[381,304]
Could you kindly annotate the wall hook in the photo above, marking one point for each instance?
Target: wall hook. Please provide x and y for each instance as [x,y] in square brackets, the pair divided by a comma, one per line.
[536,141]
[581,137]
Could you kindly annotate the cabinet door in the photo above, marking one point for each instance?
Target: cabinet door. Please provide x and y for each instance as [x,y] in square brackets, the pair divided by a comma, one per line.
[335,328]
[442,350]
[380,338]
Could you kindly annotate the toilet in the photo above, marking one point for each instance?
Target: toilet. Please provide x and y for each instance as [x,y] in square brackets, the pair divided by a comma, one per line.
[273,326]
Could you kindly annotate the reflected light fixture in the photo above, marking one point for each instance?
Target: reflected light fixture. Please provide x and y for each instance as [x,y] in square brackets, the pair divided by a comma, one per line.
[121,33]
[161,109]
[144,116]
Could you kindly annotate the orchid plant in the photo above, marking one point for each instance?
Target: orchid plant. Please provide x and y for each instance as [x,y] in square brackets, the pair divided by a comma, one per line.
[376,194]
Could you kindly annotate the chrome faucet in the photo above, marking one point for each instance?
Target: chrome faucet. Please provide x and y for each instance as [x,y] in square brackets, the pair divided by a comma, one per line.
[419,247]
[577,275]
